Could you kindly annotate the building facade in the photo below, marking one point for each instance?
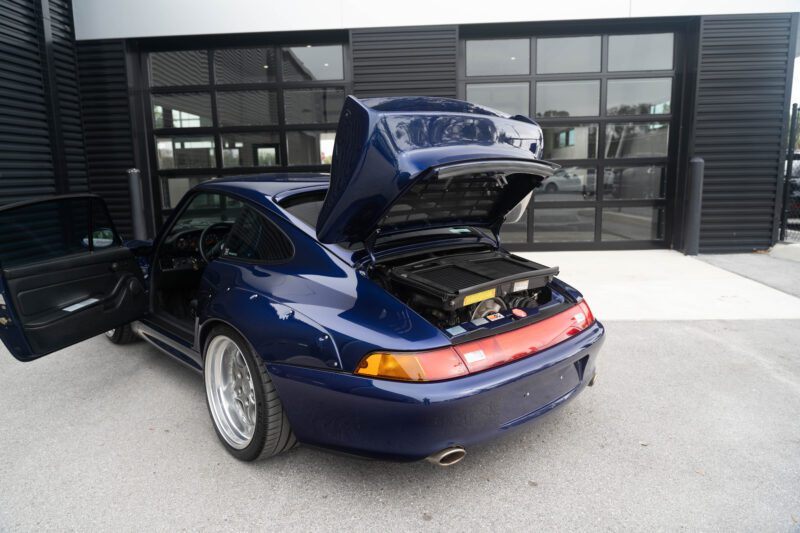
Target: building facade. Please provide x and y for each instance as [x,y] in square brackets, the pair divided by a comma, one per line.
[624,103]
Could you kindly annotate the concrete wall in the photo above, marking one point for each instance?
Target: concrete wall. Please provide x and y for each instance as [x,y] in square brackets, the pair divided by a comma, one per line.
[114,19]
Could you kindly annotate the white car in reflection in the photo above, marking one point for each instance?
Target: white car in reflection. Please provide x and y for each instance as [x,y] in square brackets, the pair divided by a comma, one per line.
[564,180]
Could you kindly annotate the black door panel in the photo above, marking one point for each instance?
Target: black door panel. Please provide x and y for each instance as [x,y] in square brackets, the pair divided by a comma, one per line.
[65,275]
[56,284]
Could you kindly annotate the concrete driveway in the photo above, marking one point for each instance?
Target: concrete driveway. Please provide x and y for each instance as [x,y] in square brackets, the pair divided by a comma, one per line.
[692,424]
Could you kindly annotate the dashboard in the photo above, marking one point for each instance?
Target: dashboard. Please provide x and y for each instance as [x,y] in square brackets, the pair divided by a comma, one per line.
[181,250]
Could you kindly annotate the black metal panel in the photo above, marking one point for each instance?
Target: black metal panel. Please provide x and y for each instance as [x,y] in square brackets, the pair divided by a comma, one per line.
[743,81]
[63,63]
[107,125]
[26,163]
[404,61]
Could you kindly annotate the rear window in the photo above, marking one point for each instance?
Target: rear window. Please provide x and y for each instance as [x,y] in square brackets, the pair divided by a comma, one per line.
[44,230]
[305,206]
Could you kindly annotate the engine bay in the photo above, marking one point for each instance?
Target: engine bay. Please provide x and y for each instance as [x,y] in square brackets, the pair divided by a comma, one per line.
[460,292]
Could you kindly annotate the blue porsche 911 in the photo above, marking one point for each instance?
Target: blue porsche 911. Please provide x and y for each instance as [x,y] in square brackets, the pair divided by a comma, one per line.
[372,311]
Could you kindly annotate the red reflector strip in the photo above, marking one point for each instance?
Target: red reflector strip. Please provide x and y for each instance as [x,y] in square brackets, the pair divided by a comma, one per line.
[519,343]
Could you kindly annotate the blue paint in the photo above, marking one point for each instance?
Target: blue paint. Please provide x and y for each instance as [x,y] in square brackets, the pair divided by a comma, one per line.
[314,317]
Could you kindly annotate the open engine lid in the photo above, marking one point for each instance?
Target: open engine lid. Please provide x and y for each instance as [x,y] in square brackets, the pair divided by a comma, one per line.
[403,164]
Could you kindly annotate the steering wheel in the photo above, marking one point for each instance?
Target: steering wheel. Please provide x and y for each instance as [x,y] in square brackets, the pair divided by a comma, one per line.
[209,255]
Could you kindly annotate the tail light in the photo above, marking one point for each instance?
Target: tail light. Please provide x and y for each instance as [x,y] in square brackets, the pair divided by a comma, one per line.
[434,365]
[474,356]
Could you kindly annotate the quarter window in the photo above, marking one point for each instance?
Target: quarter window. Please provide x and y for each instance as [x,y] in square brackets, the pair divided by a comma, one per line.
[254,238]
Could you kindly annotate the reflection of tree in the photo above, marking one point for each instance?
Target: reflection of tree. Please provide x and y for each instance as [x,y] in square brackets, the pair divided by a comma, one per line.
[554,113]
[431,130]
[637,109]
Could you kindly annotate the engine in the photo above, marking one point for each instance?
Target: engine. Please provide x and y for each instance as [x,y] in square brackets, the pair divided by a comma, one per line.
[453,289]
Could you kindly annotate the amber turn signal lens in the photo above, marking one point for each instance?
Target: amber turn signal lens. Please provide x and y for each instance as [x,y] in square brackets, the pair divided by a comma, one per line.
[434,365]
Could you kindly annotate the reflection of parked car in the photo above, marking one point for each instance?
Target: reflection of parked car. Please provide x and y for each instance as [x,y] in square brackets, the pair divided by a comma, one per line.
[563,180]
[373,312]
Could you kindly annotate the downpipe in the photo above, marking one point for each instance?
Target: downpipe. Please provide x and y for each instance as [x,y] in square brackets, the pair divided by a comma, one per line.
[448,456]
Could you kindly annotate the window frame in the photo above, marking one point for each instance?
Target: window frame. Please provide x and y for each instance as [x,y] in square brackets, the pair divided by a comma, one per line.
[600,162]
[161,177]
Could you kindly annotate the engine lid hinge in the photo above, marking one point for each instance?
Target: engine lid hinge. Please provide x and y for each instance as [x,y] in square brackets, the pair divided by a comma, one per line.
[495,228]
[369,246]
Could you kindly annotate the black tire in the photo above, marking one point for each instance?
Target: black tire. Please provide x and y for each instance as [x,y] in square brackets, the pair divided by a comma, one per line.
[551,187]
[122,335]
[273,434]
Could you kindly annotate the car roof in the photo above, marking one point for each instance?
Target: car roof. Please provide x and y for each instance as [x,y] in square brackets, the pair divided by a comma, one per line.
[265,184]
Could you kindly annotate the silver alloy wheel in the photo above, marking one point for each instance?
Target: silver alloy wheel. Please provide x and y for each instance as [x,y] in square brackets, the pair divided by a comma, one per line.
[230,390]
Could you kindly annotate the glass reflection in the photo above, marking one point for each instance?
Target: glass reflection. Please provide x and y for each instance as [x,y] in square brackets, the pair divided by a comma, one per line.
[185,152]
[511,98]
[250,149]
[639,96]
[643,139]
[573,141]
[640,52]
[308,63]
[312,106]
[173,189]
[182,110]
[187,67]
[310,147]
[568,184]
[498,57]
[632,223]
[567,98]
[515,231]
[572,224]
[568,54]
[247,108]
[635,183]
[245,65]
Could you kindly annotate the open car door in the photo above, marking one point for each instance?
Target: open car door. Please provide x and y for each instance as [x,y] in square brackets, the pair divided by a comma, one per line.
[65,275]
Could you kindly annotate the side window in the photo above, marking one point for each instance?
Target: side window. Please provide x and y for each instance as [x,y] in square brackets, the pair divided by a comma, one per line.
[205,209]
[254,238]
[44,230]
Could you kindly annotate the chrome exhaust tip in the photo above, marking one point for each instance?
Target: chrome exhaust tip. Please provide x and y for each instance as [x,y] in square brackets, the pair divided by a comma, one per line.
[448,456]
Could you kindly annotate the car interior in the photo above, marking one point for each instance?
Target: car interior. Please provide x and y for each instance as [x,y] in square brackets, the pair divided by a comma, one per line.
[195,238]
[212,225]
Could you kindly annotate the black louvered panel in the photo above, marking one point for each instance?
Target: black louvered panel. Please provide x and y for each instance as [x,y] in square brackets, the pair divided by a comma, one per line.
[404,61]
[739,127]
[107,125]
[26,165]
[66,69]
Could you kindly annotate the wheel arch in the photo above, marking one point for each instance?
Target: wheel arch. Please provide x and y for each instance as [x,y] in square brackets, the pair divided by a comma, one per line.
[205,329]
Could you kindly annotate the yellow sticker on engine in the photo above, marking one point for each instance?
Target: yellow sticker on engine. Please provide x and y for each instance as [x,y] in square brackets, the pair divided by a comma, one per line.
[479,296]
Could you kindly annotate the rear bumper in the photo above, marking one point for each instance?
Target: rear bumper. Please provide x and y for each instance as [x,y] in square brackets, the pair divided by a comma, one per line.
[409,421]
